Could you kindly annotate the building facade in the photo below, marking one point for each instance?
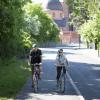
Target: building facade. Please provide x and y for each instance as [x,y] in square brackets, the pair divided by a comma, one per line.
[59,11]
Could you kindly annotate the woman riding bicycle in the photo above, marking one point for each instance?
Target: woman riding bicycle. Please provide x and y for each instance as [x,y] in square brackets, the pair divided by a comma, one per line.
[61,62]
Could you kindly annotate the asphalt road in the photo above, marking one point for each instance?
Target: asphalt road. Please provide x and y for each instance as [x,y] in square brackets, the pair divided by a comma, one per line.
[82,83]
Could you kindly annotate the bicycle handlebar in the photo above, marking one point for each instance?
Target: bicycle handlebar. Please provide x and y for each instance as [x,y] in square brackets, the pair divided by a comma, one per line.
[37,64]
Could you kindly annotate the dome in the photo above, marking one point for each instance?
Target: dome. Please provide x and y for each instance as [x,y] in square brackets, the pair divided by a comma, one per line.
[54,5]
[53,1]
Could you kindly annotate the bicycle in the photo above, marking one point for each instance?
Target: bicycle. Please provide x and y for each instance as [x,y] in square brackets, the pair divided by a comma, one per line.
[62,81]
[35,77]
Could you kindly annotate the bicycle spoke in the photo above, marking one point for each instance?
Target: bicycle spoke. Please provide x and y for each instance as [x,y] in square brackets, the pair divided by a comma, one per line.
[61,84]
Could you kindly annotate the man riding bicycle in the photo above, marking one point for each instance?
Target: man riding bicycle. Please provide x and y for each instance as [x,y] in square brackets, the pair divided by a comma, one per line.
[35,56]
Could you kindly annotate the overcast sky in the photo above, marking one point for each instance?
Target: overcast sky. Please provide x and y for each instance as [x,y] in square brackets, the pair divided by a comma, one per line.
[44,2]
[38,1]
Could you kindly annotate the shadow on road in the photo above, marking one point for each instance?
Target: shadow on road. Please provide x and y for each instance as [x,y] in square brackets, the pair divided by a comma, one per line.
[47,85]
[87,79]
[85,76]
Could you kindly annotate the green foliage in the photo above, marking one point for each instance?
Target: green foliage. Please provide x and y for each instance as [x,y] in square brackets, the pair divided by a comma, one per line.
[82,10]
[78,12]
[85,16]
[90,30]
[46,28]
[11,25]
[32,25]
[86,31]
[31,21]
[22,24]
[53,32]
[13,75]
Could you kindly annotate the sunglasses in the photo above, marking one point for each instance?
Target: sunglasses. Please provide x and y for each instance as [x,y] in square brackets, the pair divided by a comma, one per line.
[60,52]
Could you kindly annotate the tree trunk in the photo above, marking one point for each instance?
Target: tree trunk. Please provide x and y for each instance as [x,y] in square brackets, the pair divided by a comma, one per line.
[87,44]
[98,50]
[96,45]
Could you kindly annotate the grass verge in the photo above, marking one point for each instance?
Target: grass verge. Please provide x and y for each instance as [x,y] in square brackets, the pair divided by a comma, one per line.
[13,75]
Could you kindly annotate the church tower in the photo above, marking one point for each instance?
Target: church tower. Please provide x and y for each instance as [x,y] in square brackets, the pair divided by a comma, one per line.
[58,9]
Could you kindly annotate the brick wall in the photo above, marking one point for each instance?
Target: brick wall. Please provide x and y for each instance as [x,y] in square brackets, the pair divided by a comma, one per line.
[69,37]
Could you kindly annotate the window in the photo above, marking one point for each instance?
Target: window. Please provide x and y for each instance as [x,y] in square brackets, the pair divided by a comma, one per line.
[53,14]
[71,27]
[61,15]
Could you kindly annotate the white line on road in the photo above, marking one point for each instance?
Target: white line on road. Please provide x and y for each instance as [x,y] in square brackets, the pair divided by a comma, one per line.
[75,87]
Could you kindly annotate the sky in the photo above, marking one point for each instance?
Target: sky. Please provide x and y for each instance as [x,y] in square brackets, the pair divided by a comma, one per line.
[44,2]
[38,1]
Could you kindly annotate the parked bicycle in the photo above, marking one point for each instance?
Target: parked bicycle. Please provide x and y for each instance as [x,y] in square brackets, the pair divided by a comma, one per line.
[62,81]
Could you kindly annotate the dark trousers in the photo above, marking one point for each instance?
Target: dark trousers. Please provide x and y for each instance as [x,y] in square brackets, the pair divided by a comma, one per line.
[59,69]
[32,69]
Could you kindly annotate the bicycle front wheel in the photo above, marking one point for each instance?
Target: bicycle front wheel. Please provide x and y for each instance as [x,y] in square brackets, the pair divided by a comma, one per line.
[62,85]
[35,83]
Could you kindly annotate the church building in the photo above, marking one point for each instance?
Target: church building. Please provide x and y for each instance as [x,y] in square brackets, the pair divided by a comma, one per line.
[59,11]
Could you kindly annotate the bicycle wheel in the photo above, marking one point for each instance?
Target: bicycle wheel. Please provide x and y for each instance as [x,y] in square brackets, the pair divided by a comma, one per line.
[62,87]
[35,83]
[59,85]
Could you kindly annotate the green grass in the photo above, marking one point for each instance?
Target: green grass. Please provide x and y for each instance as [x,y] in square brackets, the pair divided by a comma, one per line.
[13,75]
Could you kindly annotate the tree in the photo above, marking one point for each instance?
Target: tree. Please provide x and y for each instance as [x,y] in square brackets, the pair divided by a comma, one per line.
[78,12]
[90,31]
[46,24]
[20,27]
[81,12]
[11,25]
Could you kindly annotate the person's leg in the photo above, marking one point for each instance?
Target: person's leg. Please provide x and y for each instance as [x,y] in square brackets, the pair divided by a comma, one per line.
[39,71]
[64,70]
[32,69]
[58,72]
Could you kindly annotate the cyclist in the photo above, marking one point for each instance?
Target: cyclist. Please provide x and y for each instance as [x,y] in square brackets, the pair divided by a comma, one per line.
[61,60]
[35,56]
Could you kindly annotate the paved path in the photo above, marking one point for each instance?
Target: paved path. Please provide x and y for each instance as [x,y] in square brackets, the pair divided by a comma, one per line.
[47,89]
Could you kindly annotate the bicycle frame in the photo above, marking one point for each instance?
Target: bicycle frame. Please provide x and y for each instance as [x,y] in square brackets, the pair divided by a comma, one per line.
[35,77]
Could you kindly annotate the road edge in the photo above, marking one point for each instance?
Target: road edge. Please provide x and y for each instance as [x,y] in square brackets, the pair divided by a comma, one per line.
[75,87]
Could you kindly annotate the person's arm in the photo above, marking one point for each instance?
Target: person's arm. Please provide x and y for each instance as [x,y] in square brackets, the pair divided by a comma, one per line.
[39,60]
[56,61]
[41,55]
[66,63]
[29,60]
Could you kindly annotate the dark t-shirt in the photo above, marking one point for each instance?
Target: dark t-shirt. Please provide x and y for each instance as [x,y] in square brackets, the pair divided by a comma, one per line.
[35,56]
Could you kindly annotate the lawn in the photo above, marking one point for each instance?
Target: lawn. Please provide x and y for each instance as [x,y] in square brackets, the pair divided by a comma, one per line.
[13,75]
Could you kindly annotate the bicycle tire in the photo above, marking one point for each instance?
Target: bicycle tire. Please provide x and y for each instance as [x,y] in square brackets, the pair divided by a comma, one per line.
[62,84]
[35,83]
